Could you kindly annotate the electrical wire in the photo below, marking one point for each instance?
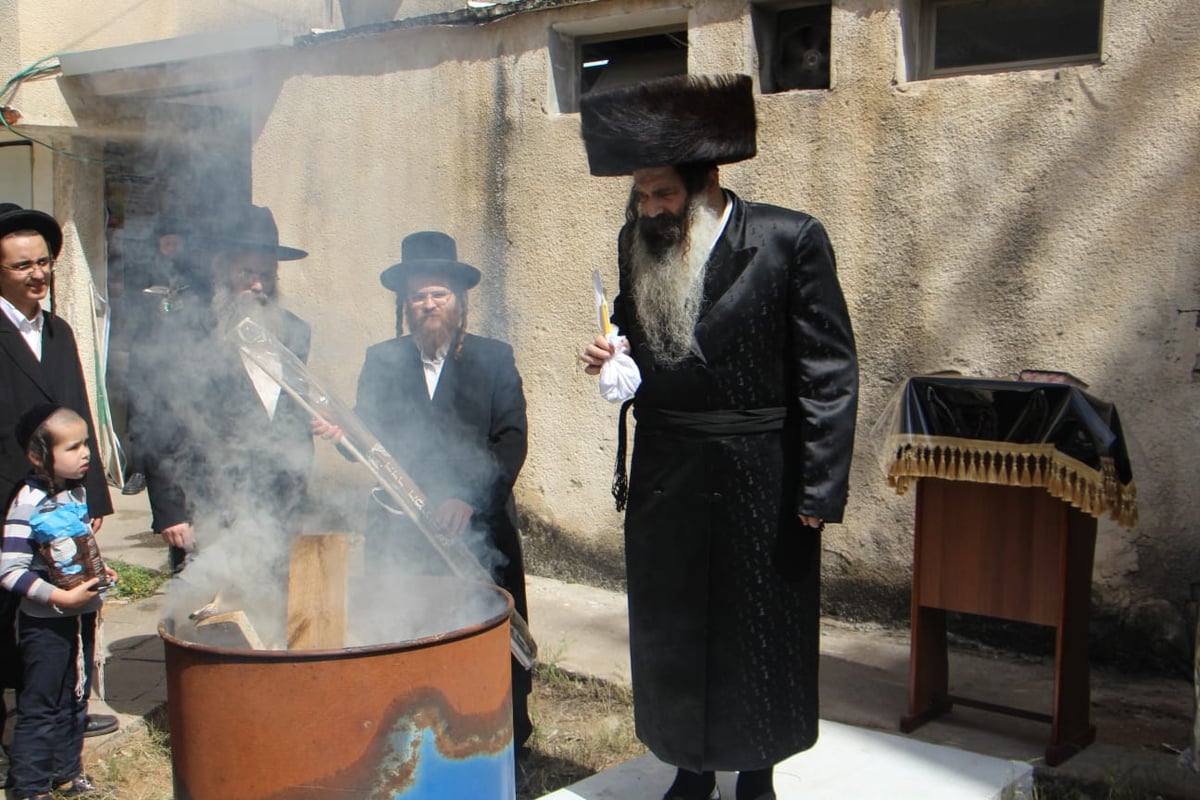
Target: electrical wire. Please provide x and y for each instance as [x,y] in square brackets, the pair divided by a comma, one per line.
[38,69]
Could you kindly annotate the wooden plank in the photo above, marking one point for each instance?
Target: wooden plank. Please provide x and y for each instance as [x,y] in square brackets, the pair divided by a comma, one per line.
[318,569]
[231,629]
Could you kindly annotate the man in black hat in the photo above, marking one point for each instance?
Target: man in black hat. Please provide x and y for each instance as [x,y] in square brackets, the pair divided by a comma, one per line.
[39,363]
[171,279]
[448,406]
[227,443]
[745,415]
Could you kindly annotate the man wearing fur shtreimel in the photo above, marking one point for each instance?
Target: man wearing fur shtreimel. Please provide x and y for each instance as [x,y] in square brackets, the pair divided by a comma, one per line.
[745,426]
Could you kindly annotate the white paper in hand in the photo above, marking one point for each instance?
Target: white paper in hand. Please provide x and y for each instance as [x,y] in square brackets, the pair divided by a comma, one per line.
[619,376]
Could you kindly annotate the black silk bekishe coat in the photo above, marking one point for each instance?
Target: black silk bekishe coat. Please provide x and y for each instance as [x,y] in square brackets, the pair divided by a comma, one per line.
[755,427]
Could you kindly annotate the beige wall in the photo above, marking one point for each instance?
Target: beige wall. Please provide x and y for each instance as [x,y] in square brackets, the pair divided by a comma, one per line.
[56,26]
[986,223]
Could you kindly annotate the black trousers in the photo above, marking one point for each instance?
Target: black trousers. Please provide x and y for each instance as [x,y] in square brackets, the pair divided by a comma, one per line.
[47,744]
[10,659]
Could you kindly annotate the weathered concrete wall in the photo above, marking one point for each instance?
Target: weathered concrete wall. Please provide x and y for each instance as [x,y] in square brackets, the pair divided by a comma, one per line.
[59,26]
[986,223]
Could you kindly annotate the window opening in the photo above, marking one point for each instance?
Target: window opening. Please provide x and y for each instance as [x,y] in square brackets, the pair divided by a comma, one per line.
[794,46]
[965,36]
[609,63]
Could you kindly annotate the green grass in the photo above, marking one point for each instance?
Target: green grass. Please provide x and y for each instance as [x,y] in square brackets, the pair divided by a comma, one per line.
[135,582]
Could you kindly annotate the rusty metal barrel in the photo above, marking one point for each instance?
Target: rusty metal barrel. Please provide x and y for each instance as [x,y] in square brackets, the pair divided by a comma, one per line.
[425,718]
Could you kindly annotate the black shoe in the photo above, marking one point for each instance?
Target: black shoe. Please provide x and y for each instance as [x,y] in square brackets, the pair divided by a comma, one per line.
[758,784]
[715,794]
[100,724]
[134,484]
[693,786]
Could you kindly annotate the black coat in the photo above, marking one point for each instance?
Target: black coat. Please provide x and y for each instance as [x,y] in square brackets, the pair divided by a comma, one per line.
[26,382]
[723,578]
[212,449]
[468,442]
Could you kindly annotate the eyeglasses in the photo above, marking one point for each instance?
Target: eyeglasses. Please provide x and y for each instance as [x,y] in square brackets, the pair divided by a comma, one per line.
[439,297]
[23,268]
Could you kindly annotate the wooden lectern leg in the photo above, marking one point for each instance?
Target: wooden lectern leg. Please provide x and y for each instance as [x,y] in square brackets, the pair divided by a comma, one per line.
[928,669]
[1072,730]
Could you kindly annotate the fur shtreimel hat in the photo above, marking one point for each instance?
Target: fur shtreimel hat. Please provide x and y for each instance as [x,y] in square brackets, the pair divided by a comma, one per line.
[685,119]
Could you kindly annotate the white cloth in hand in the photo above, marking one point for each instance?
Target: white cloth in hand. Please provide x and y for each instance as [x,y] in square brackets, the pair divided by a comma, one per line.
[619,376]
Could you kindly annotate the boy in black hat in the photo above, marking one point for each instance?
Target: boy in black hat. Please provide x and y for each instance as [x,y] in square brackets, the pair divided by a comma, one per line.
[39,363]
[448,405]
[745,415]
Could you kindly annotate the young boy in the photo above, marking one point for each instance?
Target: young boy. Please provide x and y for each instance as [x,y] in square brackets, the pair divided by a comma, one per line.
[56,624]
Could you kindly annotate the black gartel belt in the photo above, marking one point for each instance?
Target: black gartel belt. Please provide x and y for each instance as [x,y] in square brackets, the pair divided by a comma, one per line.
[698,425]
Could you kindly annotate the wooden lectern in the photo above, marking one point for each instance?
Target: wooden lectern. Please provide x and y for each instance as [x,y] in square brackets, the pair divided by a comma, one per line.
[1005,527]
[1013,553]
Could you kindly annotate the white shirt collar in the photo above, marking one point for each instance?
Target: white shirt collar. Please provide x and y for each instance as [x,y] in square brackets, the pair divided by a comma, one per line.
[433,369]
[724,220]
[19,320]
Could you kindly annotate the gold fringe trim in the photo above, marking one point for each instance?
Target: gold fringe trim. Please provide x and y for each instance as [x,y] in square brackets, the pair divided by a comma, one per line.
[1095,492]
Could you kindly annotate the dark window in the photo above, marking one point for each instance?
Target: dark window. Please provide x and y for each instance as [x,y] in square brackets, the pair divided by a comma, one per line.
[793,46]
[987,35]
[612,62]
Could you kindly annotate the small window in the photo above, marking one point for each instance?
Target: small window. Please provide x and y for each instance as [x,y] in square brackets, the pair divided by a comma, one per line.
[793,46]
[16,173]
[606,64]
[971,36]
[603,54]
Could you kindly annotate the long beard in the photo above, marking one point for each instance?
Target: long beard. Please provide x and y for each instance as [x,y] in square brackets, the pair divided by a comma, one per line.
[434,336]
[231,308]
[668,282]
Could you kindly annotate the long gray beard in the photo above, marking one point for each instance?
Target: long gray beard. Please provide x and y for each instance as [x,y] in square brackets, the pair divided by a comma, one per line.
[231,308]
[669,289]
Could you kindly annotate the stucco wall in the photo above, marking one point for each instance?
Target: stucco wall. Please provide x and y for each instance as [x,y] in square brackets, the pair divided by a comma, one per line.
[983,223]
[987,223]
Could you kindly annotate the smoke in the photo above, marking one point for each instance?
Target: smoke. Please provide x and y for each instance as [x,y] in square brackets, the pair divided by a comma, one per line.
[222,443]
[197,412]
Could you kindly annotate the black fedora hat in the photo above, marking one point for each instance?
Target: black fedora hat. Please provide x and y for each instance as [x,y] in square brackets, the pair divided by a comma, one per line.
[13,218]
[431,252]
[250,227]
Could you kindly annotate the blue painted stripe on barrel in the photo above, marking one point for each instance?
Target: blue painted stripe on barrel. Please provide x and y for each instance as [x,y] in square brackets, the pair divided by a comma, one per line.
[485,776]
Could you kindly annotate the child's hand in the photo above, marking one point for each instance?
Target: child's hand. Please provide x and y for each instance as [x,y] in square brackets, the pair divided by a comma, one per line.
[81,595]
[111,574]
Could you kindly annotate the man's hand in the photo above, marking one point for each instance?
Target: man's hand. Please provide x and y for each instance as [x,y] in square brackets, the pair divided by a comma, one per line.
[453,515]
[596,354]
[179,535]
[326,430]
[812,522]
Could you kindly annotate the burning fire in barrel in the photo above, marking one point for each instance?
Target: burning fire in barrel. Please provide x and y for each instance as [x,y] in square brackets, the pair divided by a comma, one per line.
[373,683]
[427,717]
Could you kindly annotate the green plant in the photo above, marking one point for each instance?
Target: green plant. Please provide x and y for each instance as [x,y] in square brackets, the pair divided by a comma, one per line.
[135,582]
